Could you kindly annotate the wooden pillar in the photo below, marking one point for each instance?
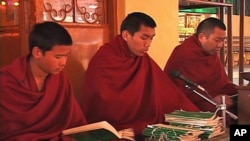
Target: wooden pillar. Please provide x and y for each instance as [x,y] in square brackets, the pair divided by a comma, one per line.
[222,51]
[241,32]
[229,42]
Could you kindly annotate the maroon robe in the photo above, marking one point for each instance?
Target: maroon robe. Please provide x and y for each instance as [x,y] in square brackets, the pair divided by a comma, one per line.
[128,92]
[205,70]
[29,115]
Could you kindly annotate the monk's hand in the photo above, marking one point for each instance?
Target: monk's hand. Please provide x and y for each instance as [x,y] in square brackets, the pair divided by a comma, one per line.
[228,100]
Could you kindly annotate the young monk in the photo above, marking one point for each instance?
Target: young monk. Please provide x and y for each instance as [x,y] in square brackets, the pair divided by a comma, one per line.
[197,59]
[125,86]
[36,98]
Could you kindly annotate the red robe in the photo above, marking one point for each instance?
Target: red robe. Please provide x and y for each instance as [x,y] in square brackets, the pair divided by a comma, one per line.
[128,92]
[205,70]
[29,115]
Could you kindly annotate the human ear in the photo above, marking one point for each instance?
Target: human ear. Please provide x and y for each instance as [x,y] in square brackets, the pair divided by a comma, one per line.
[125,35]
[202,36]
[36,52]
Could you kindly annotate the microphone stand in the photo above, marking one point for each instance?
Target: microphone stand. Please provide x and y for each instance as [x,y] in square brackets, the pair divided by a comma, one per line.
[218,106]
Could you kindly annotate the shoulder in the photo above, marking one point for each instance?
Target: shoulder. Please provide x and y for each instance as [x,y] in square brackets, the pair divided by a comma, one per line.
[16,69]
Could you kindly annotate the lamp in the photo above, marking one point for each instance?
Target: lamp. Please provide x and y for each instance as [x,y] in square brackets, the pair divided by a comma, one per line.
[10,2]
[3,3]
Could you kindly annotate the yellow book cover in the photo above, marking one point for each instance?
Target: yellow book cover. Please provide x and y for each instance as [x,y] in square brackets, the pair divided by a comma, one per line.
[98,131]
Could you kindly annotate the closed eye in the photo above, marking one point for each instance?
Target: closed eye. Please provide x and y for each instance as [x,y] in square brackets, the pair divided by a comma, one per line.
[60,56]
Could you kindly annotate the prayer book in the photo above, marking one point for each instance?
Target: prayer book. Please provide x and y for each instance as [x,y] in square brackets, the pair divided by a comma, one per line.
[186,126]
[193,118]
[208,122]
[98,131]
[169,132]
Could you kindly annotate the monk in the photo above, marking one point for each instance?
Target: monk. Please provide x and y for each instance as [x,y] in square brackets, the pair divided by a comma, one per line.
[197,59]
[36,98]
[124,85]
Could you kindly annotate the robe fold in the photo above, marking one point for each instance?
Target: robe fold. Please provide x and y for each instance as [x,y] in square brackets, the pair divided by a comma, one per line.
[205,70]
[128,92]
[29,115]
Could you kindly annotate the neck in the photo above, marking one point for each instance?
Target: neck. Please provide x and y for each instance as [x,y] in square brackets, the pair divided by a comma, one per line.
[36,71]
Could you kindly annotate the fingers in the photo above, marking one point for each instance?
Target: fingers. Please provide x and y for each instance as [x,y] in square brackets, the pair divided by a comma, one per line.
[228,100]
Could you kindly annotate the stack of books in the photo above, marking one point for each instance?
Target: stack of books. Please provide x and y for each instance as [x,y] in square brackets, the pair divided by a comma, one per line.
[209,122]
[171,133]
[183,125]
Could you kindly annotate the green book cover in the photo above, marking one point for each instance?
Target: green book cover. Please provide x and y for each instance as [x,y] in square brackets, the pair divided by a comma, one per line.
[192,118]
[94,135]
[171,132]
[207,122]
[186,114]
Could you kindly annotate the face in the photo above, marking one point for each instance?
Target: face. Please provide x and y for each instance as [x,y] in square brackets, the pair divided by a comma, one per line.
[140,42]
[52,61]
[214,42]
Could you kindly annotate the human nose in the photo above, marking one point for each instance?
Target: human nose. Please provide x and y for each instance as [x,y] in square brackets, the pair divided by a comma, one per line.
[148,42]
[220,44]
[63,61]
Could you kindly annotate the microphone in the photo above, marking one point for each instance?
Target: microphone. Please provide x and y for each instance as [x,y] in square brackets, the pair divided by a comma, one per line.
[178,74]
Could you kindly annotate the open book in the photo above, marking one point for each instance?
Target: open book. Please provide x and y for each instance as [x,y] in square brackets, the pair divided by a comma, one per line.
[98,131]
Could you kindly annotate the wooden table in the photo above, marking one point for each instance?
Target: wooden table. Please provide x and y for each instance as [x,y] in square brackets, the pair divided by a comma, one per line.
[243,105]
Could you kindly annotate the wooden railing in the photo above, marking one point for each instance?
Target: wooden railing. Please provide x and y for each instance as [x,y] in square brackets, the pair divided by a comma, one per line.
[236,49]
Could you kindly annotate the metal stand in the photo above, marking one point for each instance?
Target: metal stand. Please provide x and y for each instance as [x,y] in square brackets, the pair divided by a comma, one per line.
[221,106]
